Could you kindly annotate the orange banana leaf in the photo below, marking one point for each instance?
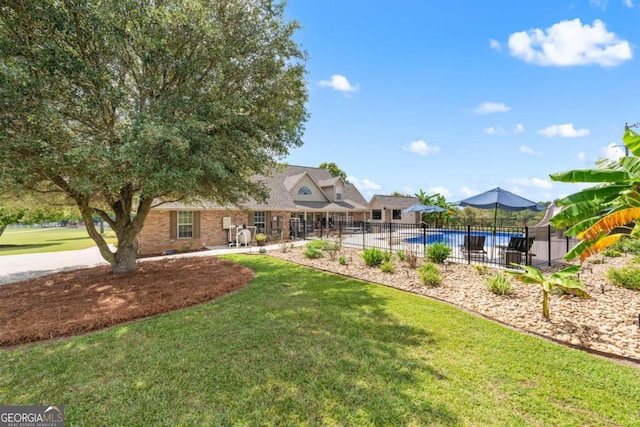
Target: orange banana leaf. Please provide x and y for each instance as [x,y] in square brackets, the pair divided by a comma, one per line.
[609,222]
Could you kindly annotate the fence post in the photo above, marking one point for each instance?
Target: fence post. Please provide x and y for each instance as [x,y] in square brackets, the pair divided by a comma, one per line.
[526,247]
[549,239]
[468,243]
[424,241]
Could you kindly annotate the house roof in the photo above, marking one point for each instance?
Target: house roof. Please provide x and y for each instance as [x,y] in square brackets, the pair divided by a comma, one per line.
[280,185]
[390,202]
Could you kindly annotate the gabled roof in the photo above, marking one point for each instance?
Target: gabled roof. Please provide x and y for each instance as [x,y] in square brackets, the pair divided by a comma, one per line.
[390,202]
[330,182]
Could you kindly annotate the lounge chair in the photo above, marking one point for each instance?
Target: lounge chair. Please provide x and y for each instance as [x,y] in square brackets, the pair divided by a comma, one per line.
[517,249]
[473,245]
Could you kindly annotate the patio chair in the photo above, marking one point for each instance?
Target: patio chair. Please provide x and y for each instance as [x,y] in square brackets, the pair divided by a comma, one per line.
[517,249]
[473,245]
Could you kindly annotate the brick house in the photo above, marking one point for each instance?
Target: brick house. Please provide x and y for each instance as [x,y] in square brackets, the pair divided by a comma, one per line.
[299,197]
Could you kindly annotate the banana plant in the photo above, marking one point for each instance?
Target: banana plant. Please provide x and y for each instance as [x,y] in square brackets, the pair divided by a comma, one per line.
[612,204]
[563,279]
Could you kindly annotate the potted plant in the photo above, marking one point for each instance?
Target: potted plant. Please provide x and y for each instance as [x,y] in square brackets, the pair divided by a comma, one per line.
[261,238]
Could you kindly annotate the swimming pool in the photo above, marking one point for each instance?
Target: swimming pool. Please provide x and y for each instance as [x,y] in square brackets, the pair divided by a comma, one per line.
[453,238]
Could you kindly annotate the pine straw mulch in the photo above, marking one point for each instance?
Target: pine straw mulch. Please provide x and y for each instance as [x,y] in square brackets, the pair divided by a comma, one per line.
[79,301]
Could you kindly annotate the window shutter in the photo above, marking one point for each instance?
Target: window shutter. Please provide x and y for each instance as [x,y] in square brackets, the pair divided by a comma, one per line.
[196,224]
[173,225]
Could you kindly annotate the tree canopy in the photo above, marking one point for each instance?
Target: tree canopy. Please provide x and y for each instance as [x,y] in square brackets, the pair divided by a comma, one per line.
[121,103]
[334,170]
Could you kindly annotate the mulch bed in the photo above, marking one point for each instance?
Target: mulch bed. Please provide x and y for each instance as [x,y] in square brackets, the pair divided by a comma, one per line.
[79,301]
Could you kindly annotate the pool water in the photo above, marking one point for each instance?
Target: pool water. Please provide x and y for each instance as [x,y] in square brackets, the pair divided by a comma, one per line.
[453,238]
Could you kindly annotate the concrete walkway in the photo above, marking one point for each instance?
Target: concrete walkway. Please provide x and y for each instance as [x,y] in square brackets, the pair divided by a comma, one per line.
[14,268]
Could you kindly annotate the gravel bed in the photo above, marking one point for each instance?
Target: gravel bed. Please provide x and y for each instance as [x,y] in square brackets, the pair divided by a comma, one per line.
[607,322]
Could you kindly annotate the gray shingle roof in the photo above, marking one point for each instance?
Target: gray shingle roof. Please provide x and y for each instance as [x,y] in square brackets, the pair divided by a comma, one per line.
[399,202]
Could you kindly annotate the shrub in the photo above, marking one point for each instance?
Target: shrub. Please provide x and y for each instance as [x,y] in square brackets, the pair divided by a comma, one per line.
[342,260]
[387,256]
[312,253]
[481,269]
[627,277]
[316,244]
[430,274]
[373,257]
[628,245]
[387,267]
[332,247]
[499,284]
[284,247]
[401,255]
[611,253]
[411,258]
[438,252]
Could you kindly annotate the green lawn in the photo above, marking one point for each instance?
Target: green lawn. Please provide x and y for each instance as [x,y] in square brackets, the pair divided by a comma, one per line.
[33,240]
[301,347]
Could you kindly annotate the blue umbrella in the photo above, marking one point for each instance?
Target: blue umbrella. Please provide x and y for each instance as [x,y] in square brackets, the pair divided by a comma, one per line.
[419,207]
[500,199]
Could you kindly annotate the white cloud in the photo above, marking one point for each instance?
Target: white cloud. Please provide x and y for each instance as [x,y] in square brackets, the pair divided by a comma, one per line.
[367,188]
[628,3]
[531,182]
[498,130]
[518,129]
[441,190]
[491,107]
[422,148]
[565,131]
[495,45]
[528,150]
[467,192]
[613,151]
[570,43]
[339,83]
[582,156]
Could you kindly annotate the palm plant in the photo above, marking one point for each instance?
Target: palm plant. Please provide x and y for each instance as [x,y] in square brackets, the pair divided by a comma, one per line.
[559,280]
[613,204]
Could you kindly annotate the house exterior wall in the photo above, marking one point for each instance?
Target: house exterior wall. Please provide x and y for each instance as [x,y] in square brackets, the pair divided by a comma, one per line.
[387,213]
[154,237]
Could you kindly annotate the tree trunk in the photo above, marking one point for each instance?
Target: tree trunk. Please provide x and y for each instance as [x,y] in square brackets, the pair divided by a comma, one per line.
[125,257]
[2,228]
[545,304]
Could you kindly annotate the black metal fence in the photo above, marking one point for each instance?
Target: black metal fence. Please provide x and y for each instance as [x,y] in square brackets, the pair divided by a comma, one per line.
[500,246]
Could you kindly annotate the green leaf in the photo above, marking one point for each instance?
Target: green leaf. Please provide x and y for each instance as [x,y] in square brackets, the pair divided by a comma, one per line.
[601,194]
[582,226]
[632,141]
[567,272]
[590,175]
[575,213]
[578,249]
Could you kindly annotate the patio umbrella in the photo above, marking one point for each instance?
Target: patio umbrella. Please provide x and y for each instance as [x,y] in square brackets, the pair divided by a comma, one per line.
[419,207]
[500,199]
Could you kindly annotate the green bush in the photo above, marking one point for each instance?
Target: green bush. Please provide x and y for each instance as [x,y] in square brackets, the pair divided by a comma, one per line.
[342,260]
[627,277]
[387,267]
[499,284]
[611,253]
[312,253]
[438,252]
[401,255]
[387,256]
[430,274]
[481,269]
[628,245]
[332,247]
[373,257]
[316,244]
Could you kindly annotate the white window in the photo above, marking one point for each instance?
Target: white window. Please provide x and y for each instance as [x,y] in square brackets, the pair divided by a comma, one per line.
[260,221]
[185,225]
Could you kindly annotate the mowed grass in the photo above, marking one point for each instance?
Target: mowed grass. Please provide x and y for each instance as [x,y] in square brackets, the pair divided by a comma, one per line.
[16,241]
[301,347]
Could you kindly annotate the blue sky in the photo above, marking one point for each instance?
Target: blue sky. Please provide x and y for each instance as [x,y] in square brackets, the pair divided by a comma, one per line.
[458,97]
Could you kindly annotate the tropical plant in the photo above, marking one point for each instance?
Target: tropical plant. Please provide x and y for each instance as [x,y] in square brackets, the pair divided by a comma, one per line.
[601,215]
[498,283]
[563,279]
[430,274]
[438,219]
[121,105]
[438,252]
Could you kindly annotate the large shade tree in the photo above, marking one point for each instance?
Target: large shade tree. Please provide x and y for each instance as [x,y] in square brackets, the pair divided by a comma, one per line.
[118,104]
